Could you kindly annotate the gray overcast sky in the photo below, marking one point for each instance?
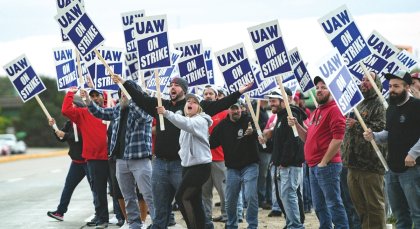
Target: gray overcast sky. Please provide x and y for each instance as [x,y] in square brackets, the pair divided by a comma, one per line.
[28,26]
[24,18]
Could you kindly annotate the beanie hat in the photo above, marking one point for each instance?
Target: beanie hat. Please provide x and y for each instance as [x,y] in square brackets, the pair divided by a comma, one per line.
[181,82]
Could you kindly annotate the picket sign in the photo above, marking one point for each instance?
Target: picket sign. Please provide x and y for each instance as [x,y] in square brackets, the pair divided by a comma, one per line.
[372,82]
[159,99]
[254,118]
[313,98]
[286,103]
[142,80]
[257,114]
[41,104]
[98,54]
[79,71]
[377,151]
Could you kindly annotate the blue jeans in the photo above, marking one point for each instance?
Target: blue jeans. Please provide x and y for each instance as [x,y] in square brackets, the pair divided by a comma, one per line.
[353,218]
[404,196]
[262,175]
[326,196]
[274,203]
[75,174]
[290,179]
[307,199]
[234,179]
[166,178]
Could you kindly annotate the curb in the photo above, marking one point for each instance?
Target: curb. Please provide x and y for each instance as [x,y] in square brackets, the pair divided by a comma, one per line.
[12,158]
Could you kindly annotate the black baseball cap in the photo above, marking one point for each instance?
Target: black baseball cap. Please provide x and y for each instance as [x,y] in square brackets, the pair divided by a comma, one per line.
[400,74]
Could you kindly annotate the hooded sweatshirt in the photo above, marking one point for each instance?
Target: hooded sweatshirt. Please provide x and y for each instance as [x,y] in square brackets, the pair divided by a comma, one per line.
[326,123]
[193,139]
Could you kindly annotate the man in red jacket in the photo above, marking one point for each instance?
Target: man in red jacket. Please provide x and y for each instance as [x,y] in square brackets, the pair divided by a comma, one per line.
[323,139]
[94,149]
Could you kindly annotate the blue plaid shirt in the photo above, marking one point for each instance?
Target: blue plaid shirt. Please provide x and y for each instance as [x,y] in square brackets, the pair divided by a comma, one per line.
[138,137]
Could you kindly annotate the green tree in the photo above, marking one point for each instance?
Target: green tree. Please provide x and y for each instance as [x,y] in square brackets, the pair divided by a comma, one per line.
[33,121]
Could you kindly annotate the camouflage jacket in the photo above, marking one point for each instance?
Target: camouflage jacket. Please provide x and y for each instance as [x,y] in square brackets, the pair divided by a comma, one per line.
[357,153]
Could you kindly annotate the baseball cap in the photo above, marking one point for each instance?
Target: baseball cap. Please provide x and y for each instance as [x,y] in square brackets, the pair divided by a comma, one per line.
[317,79]
[95,91]
[238,104]
[400,74]
[276,94]
[415,75]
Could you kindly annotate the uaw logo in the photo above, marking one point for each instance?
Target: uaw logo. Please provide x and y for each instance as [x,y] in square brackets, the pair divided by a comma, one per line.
[240,134]
[402,118]
[315,120]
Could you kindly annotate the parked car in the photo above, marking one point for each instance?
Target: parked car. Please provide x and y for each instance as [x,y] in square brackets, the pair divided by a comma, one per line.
[16,147]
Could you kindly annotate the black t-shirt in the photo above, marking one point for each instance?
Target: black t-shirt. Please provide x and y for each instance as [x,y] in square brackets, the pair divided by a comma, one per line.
[120,144]
[403,126]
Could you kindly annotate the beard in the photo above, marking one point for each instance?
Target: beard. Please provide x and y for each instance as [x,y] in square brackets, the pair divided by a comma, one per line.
[275,109]
[175,97]
[396,99]
[322,100]
[235,117]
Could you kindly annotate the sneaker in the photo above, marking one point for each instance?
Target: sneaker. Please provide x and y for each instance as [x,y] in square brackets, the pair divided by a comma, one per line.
[220,219]
[217,204]
[120,222]
[274,214]
[101,225]
[55,215]
[92,222]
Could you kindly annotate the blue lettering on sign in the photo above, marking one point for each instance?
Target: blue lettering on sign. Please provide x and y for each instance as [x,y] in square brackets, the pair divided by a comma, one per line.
[154,52]
[238,75]
[154,26]
[337,22]
[17,67]
[302,76]
[210,75]
[103,80]
[63,54]
[373,63]
[189,50]
[345,91]
[28,84]
[378,45]
[66,75]
[406,60]
[263,34]
[128,20]
[351,45]
[331,66]
[294,58]
[85,36]
[229,57]
[194,71]
[70,16]
[207,54]
[130,43]
[273,58]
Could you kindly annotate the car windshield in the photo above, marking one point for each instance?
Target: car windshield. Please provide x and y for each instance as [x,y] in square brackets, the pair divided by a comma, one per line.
[6,137]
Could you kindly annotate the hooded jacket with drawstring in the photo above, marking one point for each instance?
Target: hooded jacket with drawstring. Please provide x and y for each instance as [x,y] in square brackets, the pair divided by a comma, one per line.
[357,153]
[193,139]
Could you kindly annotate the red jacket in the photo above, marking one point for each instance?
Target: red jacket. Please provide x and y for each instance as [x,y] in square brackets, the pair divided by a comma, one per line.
[326,123]
[93,130]
[217,153]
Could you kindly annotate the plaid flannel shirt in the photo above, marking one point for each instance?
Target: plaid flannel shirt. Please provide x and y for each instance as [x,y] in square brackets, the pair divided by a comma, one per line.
[138,137]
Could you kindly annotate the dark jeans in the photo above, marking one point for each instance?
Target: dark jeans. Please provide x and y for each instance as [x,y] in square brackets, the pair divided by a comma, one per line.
[75,174]
[115,190]
[99,171]
[307,198]
[189,194]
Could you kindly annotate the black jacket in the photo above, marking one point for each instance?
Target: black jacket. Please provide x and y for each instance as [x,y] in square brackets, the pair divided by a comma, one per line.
[287,149]
[167,141]
[75,148]
[239,150]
